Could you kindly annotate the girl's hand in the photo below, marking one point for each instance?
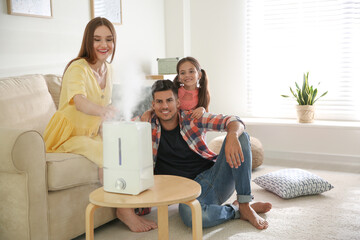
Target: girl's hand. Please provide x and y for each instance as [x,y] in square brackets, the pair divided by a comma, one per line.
[198,112]
[146,116]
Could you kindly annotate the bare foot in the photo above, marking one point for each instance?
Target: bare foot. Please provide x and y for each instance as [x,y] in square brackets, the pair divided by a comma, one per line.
[261,207]
[134,222]
[152,224]
[250,213]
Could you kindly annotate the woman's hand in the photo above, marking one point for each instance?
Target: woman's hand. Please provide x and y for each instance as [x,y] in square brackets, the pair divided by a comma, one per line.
[108,113]
[198,112]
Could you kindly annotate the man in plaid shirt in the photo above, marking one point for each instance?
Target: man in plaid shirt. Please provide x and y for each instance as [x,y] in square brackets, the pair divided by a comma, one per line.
[179,148]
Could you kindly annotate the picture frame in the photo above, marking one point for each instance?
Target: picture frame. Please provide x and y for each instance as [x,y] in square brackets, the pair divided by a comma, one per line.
[33,8]
[110,9]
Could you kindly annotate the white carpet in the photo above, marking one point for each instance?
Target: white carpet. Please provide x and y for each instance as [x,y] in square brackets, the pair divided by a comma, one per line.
[332,215]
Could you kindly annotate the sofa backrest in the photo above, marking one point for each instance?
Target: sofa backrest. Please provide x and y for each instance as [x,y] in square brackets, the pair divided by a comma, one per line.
[29,101]
[25,102]
[53,82]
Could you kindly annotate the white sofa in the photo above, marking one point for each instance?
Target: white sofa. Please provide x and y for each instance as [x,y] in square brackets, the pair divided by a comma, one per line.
[42,195]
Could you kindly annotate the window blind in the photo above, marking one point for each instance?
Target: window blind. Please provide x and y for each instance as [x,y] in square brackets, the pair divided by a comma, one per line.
[287,38]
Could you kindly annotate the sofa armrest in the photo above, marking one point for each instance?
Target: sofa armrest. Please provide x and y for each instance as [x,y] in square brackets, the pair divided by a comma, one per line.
[23,185]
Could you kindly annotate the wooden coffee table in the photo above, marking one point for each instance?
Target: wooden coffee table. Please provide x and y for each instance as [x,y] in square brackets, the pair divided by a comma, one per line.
[167,190]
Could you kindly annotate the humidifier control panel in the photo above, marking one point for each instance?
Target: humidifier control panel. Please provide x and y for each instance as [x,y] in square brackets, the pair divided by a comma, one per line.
[120,184]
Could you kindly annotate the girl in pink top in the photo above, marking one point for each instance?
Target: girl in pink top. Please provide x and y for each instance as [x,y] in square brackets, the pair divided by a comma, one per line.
[192,83]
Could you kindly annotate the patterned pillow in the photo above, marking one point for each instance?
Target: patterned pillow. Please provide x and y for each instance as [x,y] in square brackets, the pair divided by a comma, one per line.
[293,182]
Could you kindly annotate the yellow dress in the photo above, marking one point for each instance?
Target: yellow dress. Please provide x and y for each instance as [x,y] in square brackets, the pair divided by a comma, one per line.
[71,131]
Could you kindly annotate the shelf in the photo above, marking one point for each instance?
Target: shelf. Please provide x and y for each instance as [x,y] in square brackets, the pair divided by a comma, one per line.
[160,77]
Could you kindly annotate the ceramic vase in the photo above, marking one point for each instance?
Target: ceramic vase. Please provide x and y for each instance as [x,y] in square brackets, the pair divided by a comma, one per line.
[305,113]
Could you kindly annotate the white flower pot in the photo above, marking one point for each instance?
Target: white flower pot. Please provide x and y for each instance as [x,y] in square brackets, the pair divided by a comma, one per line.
[305,113]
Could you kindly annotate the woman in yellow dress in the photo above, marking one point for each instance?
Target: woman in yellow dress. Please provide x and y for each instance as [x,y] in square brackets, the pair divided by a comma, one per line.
[85,103]
[85,96]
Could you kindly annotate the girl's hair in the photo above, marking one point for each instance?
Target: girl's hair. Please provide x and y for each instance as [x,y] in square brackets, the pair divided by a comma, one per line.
[87,51]
[204,94]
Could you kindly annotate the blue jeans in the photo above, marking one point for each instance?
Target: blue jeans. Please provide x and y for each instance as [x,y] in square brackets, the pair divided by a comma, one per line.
[218,184]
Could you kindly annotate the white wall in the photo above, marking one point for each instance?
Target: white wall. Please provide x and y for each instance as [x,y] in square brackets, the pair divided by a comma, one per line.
[40,45]
[209,30]
[176,28]
[324,145]
[217,41]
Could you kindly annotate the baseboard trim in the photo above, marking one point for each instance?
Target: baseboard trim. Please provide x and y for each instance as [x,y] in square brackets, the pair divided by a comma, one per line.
[343,163]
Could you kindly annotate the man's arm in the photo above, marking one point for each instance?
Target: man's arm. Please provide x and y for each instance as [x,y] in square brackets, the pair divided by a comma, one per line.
[233,152]
[234,127]
[212,122]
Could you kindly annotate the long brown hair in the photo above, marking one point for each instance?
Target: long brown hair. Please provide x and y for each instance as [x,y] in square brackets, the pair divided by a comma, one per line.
[87,51]
[204,94]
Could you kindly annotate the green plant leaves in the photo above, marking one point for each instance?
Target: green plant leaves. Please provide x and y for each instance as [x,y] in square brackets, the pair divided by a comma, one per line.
[306,94]
[321,96]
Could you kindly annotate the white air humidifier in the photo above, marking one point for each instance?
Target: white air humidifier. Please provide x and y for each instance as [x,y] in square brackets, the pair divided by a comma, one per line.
[128,163]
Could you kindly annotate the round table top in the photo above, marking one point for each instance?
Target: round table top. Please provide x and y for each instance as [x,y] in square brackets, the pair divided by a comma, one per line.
[167,190]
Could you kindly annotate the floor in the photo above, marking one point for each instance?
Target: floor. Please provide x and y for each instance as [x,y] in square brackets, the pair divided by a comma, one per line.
[331,215]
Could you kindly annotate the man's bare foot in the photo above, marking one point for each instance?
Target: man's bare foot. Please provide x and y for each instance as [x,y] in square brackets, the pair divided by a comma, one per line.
[261,207]
[250,213]
[134,222]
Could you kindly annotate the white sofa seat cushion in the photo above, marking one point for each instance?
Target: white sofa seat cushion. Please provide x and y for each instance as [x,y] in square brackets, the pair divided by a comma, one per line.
[66,170]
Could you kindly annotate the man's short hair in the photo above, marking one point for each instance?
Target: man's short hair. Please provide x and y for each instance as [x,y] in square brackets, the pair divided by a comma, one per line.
[164,85]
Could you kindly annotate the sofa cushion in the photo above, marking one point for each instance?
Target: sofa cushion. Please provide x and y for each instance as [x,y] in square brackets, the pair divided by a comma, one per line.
[66,170]
[25,102]
[54,85]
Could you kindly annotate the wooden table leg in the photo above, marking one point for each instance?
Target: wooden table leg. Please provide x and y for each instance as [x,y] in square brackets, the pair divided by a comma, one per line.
[89,221]
[163,222]
[196,219]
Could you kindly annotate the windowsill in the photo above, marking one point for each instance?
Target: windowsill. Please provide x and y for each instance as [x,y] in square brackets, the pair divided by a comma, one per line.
[293,122]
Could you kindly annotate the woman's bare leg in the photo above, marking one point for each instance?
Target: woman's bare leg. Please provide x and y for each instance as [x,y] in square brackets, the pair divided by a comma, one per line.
[101,176]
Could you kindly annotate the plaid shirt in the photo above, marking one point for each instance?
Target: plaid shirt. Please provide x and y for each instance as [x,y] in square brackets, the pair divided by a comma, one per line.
[193,131]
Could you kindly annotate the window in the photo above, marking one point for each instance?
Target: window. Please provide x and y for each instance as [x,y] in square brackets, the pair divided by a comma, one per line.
[287,38]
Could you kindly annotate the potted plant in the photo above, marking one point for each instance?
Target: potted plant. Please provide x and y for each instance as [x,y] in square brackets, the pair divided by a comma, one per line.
[306,98]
